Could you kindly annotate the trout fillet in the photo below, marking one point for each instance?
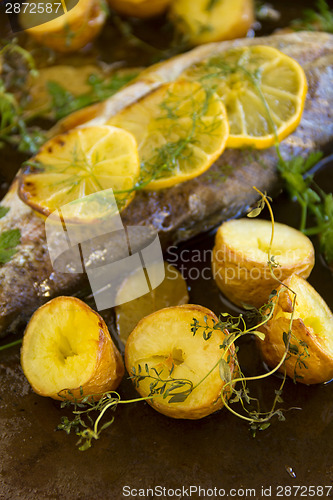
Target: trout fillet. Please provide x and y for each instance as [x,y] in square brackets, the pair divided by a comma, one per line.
[182,211]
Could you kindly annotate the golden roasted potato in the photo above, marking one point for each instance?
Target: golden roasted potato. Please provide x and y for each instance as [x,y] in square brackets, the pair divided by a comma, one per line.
[163,348]
[69,32]
[204,21]
[240,258]
[73,79]
[67,346]
[171,292]
[140,8]
[310,356]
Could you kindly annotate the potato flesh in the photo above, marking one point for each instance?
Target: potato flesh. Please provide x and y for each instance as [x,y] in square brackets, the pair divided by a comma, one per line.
[224,21]
[62,351]
[312,334]
[164,339]
[313,311]
[251,238]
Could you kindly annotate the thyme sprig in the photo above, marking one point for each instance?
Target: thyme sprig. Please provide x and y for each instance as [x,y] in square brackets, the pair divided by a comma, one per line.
[178,390]
[84,409]
[169,387]
[235,328]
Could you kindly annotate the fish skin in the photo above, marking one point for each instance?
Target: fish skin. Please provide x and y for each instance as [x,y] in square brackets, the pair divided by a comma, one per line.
[182,211]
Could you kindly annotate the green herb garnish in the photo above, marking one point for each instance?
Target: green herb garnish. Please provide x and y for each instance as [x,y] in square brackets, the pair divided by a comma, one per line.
[14,122]
[64,102]
[3,211]
[310,197]
[320,19]
[8,243]
[10,344]
[83,424]
[211,4]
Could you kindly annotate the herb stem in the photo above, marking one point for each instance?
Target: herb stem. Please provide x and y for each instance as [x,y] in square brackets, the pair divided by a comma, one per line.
[11,344]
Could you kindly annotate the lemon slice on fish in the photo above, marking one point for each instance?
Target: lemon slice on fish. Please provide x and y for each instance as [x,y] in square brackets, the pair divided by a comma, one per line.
[79,163]
[263,91]
[171,292]
[180,128]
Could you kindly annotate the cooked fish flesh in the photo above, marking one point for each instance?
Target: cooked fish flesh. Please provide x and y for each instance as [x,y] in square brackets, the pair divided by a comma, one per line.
[182,211]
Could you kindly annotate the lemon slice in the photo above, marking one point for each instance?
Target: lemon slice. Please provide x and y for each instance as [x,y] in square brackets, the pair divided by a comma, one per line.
[171,292]
[263,91]
[80,163]
[180,128]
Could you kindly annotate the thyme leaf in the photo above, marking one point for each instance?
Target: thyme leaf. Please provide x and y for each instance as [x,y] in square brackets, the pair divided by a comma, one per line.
[174,388]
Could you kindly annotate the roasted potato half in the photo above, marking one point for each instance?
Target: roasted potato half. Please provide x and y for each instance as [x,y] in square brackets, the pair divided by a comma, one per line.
[240,258]
[69,32]
[204,21]
[162,350]
[171,292]
[67,346]
[310,356]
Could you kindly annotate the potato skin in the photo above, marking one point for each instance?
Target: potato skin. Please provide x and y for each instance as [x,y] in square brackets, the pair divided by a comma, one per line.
[109,367]
[246,280]
[211,399]
[318,363]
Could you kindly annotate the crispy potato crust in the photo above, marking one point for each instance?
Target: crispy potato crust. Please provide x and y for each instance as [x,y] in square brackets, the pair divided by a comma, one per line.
[310,360]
